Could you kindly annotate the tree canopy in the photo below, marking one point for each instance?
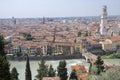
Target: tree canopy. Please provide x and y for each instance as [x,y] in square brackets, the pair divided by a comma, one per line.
[4,64]
[51,72]
[14,74]
[73,75]
[79,34]
[28,36]
[42,70]
[99,65]
[4,69]
[62,70]
[2,52]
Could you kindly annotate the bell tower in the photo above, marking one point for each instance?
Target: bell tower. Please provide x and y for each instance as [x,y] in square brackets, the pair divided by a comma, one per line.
[103,24]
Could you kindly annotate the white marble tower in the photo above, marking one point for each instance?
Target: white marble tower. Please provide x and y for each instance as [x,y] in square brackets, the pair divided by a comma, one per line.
[103,24]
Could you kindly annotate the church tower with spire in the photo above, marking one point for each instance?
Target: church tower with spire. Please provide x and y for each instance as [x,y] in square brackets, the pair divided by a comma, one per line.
[103,24]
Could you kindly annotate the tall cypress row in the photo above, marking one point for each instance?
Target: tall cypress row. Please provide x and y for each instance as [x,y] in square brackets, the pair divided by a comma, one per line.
[14,74]
[28,75]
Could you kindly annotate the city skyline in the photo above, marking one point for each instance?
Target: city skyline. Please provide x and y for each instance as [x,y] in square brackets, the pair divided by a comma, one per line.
[54,8]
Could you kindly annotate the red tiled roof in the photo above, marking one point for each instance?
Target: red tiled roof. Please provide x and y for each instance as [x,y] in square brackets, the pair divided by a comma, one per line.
[78,67]
[115,38]
[82,69]
[51,78]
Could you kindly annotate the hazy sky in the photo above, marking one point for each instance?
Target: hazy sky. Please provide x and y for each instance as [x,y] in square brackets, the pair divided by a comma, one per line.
[56,8]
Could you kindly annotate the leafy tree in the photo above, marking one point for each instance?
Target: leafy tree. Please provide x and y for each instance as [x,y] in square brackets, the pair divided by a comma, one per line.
[42,71]
[73,75]
[51,71]
[49,50]
[99,65]
[62,70]
[4,64]
[2,46]
[14,74]
[6,42]
[28,36]
[79,34]
[86,34]
[28,75]
[4,69]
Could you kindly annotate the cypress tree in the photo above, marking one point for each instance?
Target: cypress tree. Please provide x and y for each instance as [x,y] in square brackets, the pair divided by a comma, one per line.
[73,75]
[2,46]
[62,70]
[86,34]
[79,34]
[4,69]
[99,65]
[4,64]
[42,71]
[14,74]
[28,75]
[51,72]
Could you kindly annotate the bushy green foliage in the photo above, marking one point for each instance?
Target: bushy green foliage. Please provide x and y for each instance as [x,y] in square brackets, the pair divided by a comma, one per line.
[4,64]
[97,68]
[73,75]
[49,50]
[4,69]
[91,77]
[110,74]
[28,36]
[51,72]
[6,42]
[62,70]
[42,70]
[79,34]
[2,46]
[118,54]
[99,65]
[113,74]
[14,74]
[86,34]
